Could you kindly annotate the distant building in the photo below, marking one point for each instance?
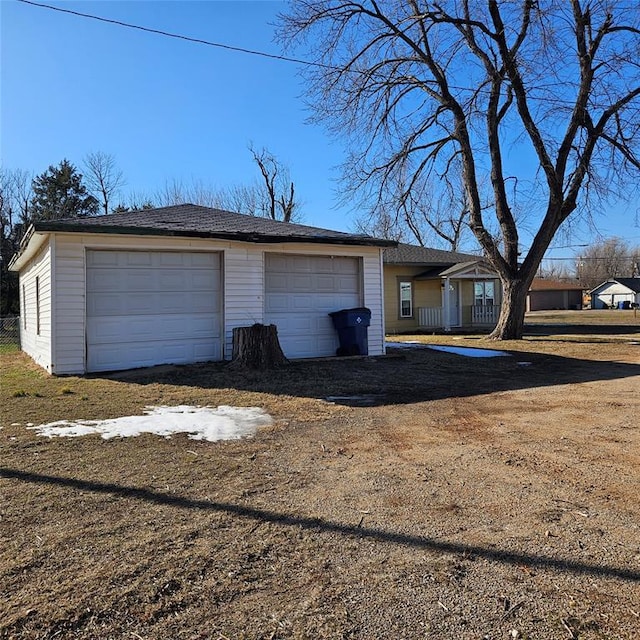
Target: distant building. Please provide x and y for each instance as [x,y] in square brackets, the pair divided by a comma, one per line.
[616,293]
[547,294]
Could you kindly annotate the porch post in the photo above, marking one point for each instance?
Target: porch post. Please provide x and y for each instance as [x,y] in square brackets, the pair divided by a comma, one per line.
[445,305]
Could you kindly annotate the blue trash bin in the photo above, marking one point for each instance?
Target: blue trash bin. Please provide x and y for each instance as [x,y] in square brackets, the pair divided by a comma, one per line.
[352,327]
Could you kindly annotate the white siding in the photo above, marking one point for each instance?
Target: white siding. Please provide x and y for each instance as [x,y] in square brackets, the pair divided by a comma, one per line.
[243,289]
[37,344]
[243,285]
[374,297]
[611,293]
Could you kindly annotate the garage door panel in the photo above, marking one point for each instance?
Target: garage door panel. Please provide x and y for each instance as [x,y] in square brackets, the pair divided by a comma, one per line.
[205,281]
[151,304]
[173,259]
[300,293]
[146,308]
[131,329]
[136,258]
[298,324]
[103,258]
[104,280]
[110,357]
[170,280]
[302,303]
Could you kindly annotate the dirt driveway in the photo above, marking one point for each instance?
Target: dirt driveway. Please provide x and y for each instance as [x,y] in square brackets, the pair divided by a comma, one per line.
[476,498]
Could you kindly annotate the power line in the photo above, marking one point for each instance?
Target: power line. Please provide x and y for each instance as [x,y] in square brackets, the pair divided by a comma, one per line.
[177,36]
[584,258]
[228,47]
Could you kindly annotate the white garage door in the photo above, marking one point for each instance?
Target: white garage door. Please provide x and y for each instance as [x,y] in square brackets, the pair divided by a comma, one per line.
[152,307]
[300,293]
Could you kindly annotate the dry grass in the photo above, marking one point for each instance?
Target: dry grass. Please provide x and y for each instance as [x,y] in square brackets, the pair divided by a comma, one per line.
[628,318]
[477,497]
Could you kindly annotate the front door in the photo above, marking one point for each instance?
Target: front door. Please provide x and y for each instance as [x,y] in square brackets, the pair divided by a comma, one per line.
[454,303]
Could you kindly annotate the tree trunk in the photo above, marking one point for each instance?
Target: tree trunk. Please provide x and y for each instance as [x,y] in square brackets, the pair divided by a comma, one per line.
[510,324]
[257,347]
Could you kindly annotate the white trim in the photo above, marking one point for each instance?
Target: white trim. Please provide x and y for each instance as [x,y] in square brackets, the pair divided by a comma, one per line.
[34,244]
[382,316]
[54,304]
[405,281]
[445,305]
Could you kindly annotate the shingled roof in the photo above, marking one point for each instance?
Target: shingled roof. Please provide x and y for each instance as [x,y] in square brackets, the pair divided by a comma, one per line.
[408,254]
[190,220]
[545,284]
[631,283]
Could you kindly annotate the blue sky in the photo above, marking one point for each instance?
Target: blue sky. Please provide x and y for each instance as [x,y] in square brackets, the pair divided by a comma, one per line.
[168,109]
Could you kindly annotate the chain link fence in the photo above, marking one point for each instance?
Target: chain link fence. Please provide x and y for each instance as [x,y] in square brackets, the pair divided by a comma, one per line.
[10,330]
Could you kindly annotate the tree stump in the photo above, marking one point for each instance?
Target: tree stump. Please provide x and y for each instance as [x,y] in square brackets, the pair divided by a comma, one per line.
[257,347]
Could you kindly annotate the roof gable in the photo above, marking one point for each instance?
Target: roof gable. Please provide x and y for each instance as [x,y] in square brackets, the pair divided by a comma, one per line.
[633,284]
[630,283]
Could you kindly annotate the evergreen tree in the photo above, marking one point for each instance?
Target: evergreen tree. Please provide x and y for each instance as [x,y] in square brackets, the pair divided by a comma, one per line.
[60,193]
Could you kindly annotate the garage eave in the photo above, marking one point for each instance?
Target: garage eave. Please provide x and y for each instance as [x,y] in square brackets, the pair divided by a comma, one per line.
[29,246]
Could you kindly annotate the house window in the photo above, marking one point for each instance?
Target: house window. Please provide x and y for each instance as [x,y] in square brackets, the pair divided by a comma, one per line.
[24,307]
[37,305]
[484,293]
[406,300]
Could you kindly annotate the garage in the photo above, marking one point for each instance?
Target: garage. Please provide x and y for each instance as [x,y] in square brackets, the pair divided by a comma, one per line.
[145,308]
[300,292]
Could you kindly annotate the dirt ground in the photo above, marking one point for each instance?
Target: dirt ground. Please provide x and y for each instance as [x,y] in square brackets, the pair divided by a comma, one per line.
[472,499]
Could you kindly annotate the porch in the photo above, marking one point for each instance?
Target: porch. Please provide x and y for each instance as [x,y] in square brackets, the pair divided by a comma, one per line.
[475,316]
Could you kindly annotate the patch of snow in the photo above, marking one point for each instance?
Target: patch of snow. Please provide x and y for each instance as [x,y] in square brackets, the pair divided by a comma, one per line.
[470,352]
[200,423]
[409,344]
[524,363]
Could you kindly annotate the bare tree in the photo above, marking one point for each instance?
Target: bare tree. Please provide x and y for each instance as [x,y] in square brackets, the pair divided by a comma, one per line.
[430,213]
[15,195]
[273,196]
[538,98]
[610,258]
[553,270]
[102,177]
[278,193]
[15,185]
[242,198]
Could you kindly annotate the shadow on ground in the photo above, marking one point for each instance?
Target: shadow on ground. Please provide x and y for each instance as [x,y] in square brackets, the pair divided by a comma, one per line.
[551,329]
[322,525]
[404,376]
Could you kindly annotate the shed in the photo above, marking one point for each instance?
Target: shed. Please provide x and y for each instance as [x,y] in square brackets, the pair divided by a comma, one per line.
[614,291]
[169,285]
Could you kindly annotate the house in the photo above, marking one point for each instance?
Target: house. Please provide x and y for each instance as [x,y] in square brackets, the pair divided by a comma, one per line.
[616,292]
[168,285]
[547,293]
[428,289]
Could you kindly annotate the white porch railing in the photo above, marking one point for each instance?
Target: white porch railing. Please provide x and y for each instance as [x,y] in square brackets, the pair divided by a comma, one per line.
[484,314]
[430,316]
